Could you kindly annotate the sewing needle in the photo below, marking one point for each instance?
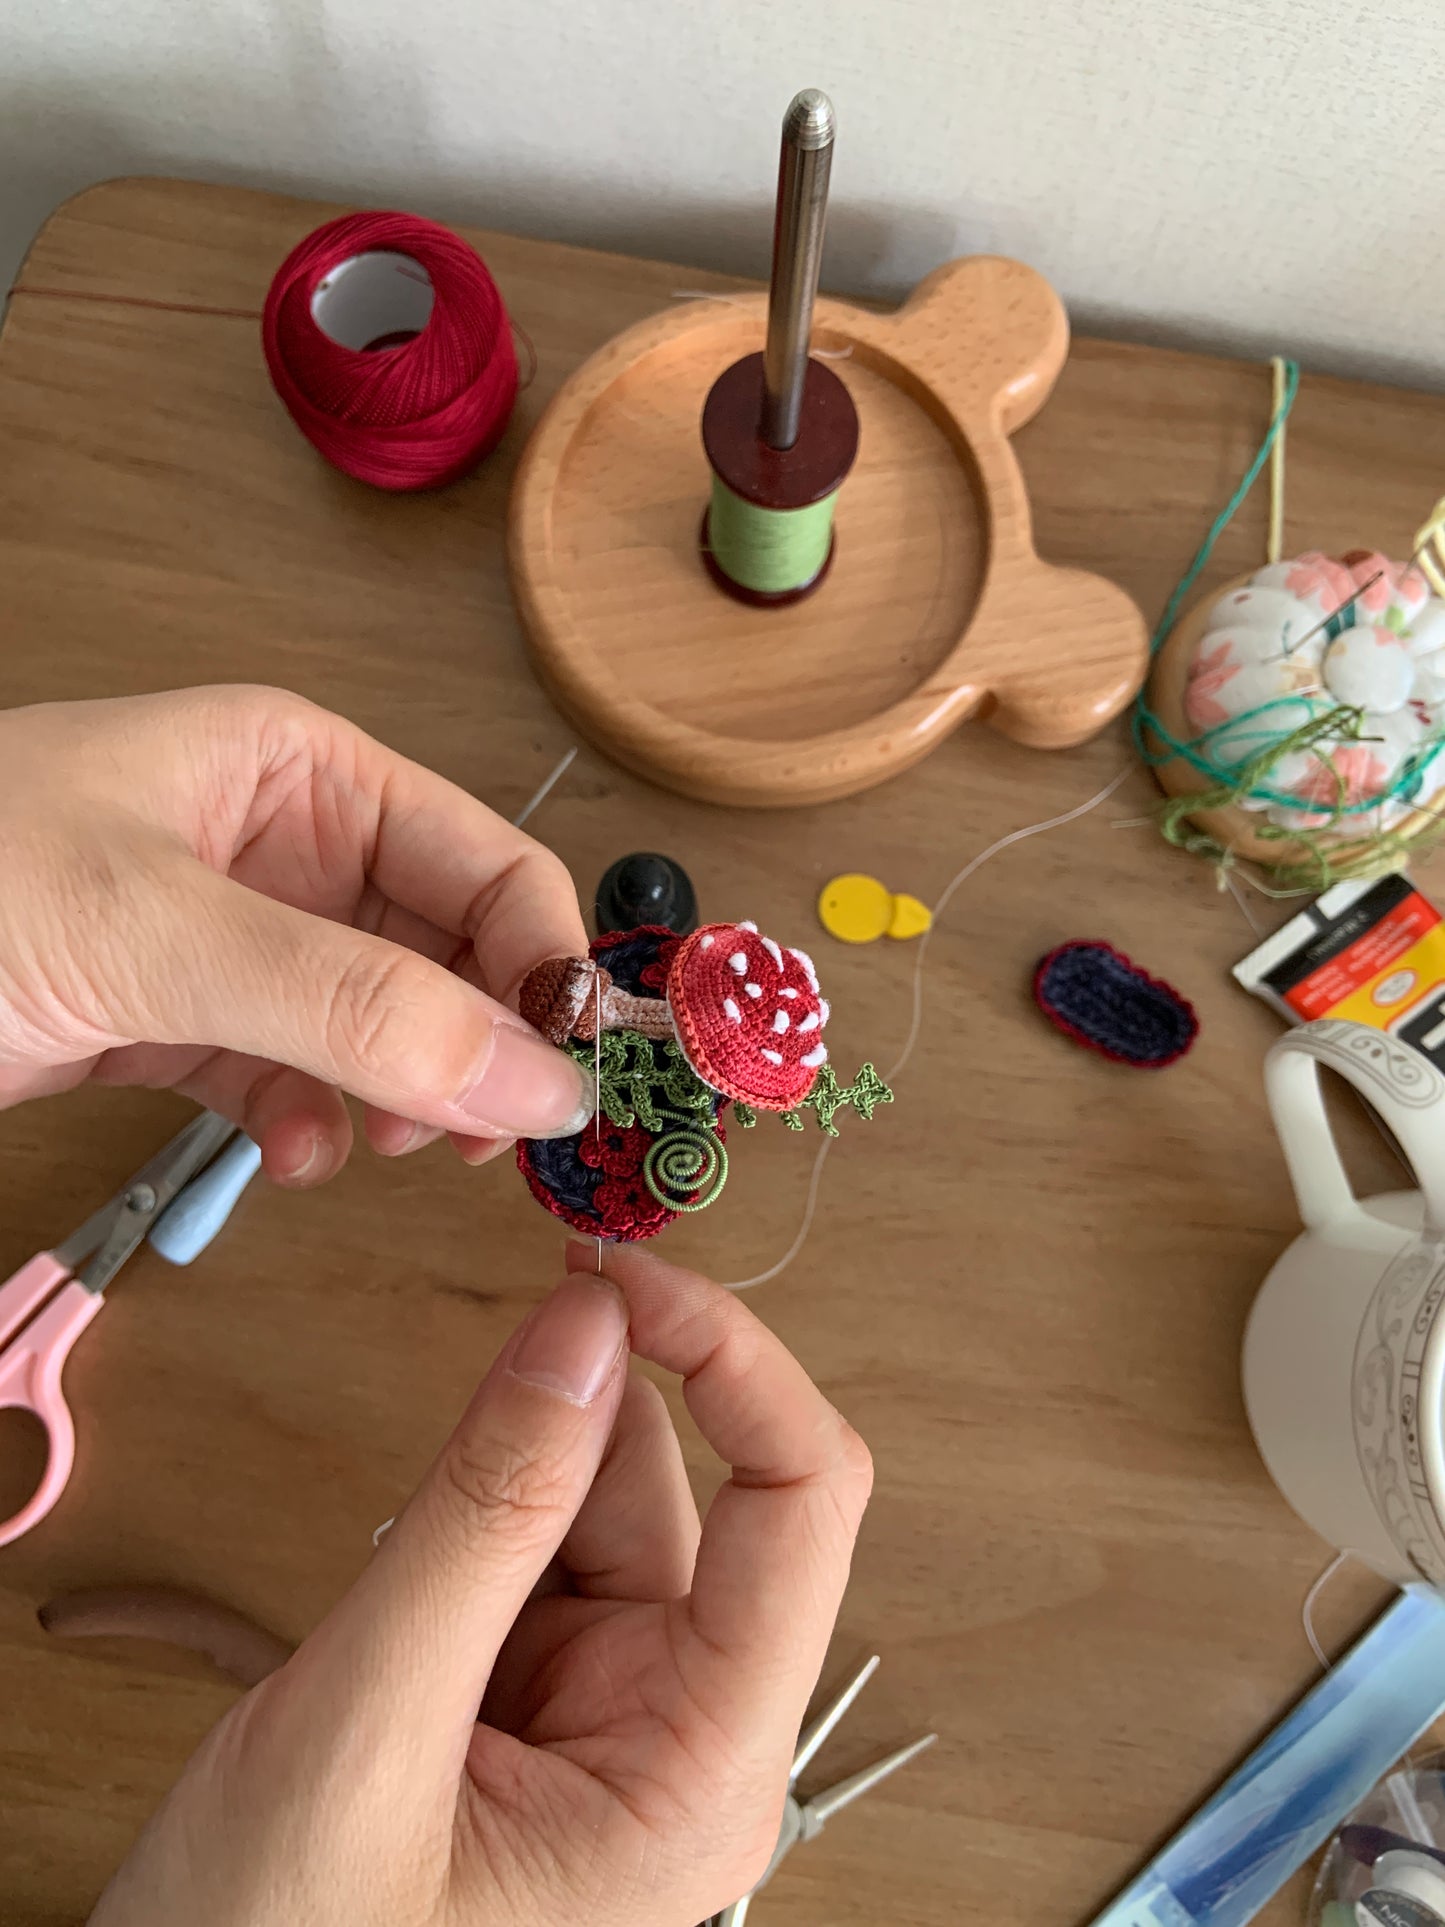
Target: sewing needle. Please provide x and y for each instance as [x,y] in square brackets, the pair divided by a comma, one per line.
[597,1083]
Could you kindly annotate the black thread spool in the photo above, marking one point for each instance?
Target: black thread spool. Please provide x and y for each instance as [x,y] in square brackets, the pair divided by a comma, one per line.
[779,429]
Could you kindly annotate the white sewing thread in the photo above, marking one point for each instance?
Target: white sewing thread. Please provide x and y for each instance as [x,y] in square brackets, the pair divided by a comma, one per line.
[810,1203]
[1312,1599]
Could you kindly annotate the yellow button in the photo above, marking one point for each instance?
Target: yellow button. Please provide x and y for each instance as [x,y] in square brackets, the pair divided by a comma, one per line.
[855,909]
[858,909]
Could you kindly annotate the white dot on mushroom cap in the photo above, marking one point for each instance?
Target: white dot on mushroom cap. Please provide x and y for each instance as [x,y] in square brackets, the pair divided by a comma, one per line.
[802,957]
[738,962]
[787,991]
[773,1057]
[825,1010]
[749,926]
[814,1057]
[731,1011]
[772,950]
[753,990]
[780,1021]
[810,1022]
[707,943]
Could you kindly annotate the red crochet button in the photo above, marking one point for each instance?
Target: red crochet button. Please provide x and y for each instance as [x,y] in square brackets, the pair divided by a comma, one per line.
[748,1015]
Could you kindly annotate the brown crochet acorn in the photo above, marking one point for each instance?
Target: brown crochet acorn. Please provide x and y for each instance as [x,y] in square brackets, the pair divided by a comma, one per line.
[561,999]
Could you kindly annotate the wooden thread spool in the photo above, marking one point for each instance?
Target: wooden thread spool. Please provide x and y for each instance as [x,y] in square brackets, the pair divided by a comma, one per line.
[779,429]
[767,535]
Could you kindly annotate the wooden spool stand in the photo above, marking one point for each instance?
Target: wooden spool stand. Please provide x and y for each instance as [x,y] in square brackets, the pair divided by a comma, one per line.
[935,607]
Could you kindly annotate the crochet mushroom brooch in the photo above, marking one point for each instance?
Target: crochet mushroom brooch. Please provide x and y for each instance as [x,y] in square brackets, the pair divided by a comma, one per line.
[677,1030]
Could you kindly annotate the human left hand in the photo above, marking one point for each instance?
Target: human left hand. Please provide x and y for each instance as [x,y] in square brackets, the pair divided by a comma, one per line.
[458,1746]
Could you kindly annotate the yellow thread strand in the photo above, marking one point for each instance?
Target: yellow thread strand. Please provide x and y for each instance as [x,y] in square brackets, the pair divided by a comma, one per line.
[1432,538]
[1276,465]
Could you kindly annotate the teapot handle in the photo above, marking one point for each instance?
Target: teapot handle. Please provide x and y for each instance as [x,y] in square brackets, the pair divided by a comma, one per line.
[1395,1080]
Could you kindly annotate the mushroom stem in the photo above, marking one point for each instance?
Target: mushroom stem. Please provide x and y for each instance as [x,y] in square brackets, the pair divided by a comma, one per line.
[563,996]
[649,1016]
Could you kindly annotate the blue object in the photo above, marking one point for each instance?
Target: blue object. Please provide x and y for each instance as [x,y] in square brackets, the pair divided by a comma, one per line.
[184,1230]
[1311,1772]
[1097,996]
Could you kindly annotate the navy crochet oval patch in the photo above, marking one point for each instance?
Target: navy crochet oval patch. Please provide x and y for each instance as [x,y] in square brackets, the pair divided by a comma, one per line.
[1094,994]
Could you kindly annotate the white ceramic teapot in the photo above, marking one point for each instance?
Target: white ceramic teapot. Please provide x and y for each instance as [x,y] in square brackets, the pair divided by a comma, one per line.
[1344,1356]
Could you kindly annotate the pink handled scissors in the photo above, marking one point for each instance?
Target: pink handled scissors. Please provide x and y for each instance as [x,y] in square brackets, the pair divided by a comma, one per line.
[48,1303]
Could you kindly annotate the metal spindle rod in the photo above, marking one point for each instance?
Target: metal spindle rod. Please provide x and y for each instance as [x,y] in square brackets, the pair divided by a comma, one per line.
[803,169]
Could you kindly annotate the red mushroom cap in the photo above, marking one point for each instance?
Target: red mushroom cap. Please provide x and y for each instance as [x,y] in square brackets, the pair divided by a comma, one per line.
[748,1015]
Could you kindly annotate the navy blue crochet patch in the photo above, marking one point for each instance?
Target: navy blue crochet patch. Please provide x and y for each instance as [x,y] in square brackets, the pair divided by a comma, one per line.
[1094,994]
[557,1167]
[625,954]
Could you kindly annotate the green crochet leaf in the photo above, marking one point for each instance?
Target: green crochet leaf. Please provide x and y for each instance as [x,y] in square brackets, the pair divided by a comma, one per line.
[828,1097]
[644,1081]
[649,1082]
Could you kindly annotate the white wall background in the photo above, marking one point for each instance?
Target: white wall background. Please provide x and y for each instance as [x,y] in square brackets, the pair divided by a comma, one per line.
[1252,175]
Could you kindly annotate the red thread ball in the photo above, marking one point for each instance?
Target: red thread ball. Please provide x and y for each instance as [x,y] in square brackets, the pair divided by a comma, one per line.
[413,406]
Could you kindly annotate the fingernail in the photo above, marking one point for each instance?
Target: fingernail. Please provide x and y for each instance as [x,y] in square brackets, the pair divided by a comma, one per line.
[571,1344]
[529,1089]
[311,1168]
[403,1144]
[477,1151]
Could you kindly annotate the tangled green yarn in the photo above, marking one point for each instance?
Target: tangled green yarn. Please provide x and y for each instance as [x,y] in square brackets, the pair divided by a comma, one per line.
[1330,859]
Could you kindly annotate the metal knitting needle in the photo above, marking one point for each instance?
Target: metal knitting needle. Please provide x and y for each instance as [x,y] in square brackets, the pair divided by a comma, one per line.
[804,165]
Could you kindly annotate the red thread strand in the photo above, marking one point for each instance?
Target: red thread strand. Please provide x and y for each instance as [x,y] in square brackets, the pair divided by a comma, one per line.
[412,416]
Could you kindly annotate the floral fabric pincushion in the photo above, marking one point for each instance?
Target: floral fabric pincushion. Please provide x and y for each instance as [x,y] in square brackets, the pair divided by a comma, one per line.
[1359,636]
[688,1027]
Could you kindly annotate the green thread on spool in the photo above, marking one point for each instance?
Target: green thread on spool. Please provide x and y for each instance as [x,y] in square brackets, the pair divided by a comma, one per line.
[770,551]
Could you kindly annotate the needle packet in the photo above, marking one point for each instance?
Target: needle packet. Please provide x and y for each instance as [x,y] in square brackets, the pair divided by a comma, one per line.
[1372,953]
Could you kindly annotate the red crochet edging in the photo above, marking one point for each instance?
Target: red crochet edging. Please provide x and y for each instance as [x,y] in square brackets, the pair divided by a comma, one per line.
[1061,1023]
[590,1227]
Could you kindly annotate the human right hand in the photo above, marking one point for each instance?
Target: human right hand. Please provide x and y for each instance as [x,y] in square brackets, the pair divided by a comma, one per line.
[234,893]
[636,1728]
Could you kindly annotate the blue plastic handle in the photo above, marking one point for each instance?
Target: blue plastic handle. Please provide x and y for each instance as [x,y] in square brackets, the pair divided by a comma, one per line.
[188,1225]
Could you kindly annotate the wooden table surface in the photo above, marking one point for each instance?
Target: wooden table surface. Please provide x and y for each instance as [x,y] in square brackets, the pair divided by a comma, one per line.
[1028,1278]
